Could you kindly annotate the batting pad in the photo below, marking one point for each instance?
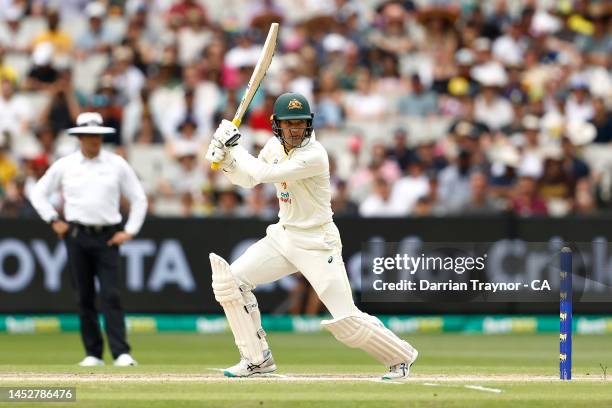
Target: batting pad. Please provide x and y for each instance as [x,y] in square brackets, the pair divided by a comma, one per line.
[227,293]
[369,334]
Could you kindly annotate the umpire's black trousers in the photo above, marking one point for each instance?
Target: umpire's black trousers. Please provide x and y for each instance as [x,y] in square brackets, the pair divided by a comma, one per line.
[88,256]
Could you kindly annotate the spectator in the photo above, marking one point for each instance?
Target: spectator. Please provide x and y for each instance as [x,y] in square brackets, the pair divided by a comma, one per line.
[379,203]
[296,78]
[467,137]
[392,37]
[410,188]
[454,188]
[43,74]
[510,47]
[389,81]
[514,90]
[182,10]
[481,202]
[63,106]
[6,71]
[61,40]
[584,200]
[328,99]
[15,36]
[35,168]
[186,136]
[532,160]
[258,204]
[503,171]
[263,12]
[441,44]
[381,166]
[181,113]
[556,186]
[16,203]
[98,37]
[490,107]
[400,152]
[349,68]
[259,119]
[14,112]
[420,102]
[185,180]
[245,53]
[228,203]
[578,106]
[526,201]
[8,168]
[167,94]
[467,114]
[341,203]
[141,38]
[461,84]
[214,64]
[600,40]
[364,104]
[573,165]
[206,95]
[148,133]
[127,79]
[193,38]
[46,138]
[602,119]
[440,38]
[432,160]
[106,101]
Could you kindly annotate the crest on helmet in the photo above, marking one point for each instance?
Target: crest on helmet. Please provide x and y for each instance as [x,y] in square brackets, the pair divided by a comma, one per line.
[294,104]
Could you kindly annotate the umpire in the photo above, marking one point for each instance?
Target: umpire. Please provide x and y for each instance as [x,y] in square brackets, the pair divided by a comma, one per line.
[91,181]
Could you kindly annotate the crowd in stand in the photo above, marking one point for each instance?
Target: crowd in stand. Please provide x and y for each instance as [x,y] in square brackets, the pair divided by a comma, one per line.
[523,89]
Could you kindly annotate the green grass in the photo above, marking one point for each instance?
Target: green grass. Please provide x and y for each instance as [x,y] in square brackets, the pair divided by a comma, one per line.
[440,354]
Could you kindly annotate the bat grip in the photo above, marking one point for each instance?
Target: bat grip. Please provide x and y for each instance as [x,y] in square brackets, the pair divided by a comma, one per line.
[215,166]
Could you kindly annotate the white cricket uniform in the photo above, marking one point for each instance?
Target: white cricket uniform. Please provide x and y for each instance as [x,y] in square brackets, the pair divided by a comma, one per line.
[92,189]
[305,239]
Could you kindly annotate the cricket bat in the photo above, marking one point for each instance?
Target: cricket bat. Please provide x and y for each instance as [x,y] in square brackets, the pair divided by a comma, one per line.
[258,75]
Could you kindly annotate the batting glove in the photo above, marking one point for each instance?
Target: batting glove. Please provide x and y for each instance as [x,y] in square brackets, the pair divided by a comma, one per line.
[216,151]
[227,133]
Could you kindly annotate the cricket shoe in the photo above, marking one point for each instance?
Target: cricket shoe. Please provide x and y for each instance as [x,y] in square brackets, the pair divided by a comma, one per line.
[91,361]
[400,371]
[125,360]
[245,369]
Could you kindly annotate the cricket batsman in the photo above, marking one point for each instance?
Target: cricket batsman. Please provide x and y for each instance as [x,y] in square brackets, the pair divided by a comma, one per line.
[305,239]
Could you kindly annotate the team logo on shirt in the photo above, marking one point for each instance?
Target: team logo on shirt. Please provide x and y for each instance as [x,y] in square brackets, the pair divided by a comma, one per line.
[294,104]
[284,185]
[284,197]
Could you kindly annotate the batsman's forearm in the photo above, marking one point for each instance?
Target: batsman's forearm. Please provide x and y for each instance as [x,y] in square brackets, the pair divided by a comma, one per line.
[238,176]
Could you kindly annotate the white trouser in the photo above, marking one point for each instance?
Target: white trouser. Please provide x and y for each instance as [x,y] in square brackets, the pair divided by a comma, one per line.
[315,252]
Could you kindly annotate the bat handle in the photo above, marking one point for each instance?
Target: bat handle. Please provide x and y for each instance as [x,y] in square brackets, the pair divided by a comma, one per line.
[215,166]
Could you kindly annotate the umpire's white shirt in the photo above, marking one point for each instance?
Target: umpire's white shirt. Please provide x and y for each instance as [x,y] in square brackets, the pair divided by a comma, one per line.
[91,189]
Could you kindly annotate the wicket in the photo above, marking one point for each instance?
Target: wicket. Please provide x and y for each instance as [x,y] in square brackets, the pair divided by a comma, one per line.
[565,315]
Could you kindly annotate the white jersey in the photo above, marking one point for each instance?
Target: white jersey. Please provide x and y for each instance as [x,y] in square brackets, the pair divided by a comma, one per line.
[92,189]
[301,179]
